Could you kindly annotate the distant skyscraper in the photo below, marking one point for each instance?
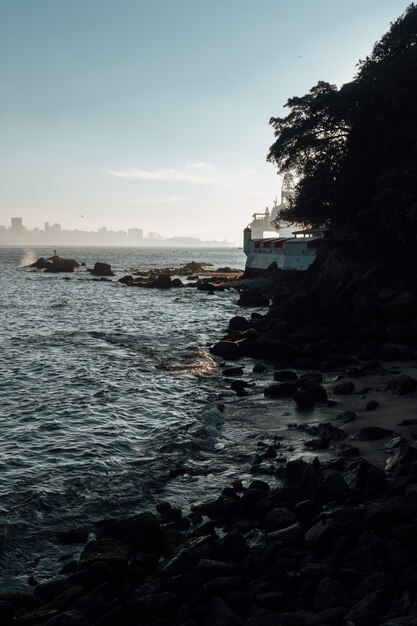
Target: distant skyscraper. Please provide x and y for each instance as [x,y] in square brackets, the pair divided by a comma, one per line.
[16,224]
[135,234]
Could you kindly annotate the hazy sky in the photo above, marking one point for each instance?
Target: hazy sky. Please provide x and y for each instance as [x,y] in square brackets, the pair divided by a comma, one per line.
[154,113]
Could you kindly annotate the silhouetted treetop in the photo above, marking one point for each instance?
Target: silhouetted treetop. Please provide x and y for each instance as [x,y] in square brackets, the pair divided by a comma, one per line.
[354,149]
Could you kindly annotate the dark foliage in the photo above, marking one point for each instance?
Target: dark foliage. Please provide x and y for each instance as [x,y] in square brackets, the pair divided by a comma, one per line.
[354,150]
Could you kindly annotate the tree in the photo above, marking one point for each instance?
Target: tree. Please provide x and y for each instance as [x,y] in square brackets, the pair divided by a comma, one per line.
[354,149]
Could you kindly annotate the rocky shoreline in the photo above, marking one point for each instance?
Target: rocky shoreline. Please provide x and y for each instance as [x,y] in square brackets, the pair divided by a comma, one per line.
[333,544]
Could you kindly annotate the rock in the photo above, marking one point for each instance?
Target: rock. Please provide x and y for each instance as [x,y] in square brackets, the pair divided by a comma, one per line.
[220,613]
[259,368]
[330,593]
[176,283]
[68,618]
[7,613]
[141,532]
[402,384]
[372,405]
[320,532]
[274,349]
[278,518]
[344,388]
[285,376]
[315,391]
[108,551]
[281,390]
[304,401]
[227,349]
[239,323]
[289,535]
[253,298]
[345,450]
[126,280]
[102,269]
[372,433]
[55,264]
[360,474]
[232,371]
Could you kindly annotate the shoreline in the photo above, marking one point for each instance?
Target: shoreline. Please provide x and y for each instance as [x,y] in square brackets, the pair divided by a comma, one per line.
[325,542]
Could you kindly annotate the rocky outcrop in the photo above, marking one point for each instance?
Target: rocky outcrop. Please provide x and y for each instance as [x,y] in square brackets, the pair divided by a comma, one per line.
[334,545]
[55,264]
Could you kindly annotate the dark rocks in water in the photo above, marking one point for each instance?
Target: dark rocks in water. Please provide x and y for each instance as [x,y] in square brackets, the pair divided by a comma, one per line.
[55,264]
[126,280]
[285,375]
[316,391]
[232,371]
[273,349]
[238,323]
[140,532]
[402,384]
[304,401]
[176,283]
[344,388]
[372,405]
[259,368]
[102,269]
[282,390]
[372,433]
[253,298]
[226,349]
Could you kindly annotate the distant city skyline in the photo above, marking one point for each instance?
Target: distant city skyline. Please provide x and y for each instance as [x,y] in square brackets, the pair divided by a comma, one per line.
[156,112]
[53,234]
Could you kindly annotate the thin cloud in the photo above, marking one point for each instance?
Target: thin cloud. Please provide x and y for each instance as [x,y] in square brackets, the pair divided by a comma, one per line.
[168,176]
[162,200]
[199,165]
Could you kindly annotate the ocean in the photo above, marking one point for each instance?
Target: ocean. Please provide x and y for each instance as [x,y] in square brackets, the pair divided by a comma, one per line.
[108,399]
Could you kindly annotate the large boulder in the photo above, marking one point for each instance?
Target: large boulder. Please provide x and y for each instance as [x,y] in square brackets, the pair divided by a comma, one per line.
[102,269]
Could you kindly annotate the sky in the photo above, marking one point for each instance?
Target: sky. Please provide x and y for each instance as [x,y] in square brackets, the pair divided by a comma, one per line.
[154,114]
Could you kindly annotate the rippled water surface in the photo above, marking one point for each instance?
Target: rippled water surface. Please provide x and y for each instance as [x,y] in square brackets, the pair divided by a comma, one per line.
[104,389]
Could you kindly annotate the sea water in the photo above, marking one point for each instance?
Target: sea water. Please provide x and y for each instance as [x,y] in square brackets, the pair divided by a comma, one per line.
[108,398]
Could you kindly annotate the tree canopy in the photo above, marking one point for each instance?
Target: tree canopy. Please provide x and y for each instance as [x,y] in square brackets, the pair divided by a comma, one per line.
[354,148]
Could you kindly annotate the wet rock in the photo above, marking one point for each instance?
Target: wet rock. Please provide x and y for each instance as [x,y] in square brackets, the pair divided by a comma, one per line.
[108,551]
[344,388]
[239,323]
[232,371]
[278,518]
[126,280]
[259,368]
[281,390]
[330,593]
[253,298]
[221,614]
[141,532]
[68,618]
[316,391]
[372,405]
[7,613]
[346,417]
[304,401]
[285,376]
[360,474]
[402,385]
[345,450]
[290,535]
[102,269]
[55,264]
[372,433]
[227,349]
